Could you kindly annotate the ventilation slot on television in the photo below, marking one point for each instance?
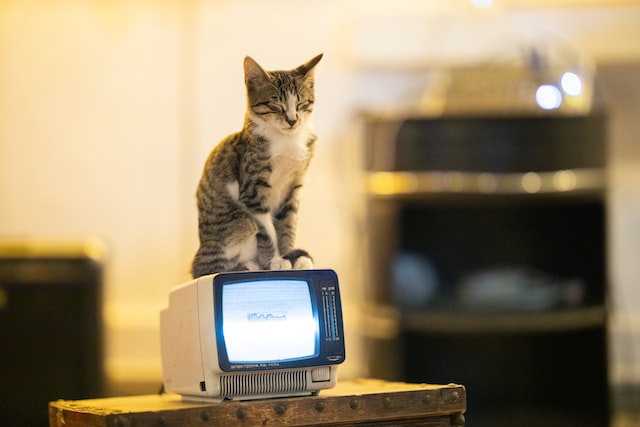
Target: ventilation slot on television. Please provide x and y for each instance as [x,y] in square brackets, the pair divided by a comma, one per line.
[263,383]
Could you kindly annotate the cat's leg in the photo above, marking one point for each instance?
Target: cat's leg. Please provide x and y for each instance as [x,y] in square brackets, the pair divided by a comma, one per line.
[209,259]
[268,244]
[266,258]
[245,252]
[285,224]
[226,247]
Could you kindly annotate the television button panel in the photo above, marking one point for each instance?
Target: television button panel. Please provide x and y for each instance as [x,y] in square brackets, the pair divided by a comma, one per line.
[329,306]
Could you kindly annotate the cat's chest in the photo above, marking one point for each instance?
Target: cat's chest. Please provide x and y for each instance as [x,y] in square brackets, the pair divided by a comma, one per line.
[291,146]
[286,172]
[289,156]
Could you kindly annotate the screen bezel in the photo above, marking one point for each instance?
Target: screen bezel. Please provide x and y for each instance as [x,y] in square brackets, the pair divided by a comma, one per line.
[328,353]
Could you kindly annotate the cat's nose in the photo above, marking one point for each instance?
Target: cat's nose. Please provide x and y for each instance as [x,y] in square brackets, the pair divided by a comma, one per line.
[291,121]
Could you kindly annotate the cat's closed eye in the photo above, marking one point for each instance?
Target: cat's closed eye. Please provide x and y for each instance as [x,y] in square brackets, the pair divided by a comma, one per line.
[267,108]
[305,106]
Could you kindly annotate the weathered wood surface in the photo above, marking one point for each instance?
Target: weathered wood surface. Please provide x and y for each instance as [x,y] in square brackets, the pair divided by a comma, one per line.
[372,402]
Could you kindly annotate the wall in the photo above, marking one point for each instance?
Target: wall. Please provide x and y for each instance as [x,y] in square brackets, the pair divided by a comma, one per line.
[621,88]
[108,110]
[90,144]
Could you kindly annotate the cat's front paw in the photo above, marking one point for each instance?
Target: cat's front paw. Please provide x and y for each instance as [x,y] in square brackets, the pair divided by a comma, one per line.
[251,265]
[280,264]
[303,263]
[300,259]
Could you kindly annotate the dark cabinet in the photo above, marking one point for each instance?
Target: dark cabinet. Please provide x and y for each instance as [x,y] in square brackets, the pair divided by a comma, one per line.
[487,242]
[50,327]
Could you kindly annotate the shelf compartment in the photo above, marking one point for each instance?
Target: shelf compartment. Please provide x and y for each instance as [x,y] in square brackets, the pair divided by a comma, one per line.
[511,322]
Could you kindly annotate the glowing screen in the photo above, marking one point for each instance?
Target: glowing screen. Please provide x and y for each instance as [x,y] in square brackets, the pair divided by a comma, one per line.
[268,320]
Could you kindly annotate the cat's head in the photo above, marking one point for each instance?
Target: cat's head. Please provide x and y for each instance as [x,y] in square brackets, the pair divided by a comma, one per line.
[279,101]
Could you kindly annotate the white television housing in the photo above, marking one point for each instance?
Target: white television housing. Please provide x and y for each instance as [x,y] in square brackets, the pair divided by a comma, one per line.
[251,335]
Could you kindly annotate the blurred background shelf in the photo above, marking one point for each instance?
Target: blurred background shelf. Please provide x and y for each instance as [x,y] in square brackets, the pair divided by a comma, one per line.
[509,322]
[488,261]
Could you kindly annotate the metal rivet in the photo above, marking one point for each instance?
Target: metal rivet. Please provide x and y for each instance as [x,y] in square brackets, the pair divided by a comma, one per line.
[450,396]
[122,421]
[386,402]
[204,415]
[241,413]
[458,420]
[426,399]
[319,406]
[354,403]
[280,409]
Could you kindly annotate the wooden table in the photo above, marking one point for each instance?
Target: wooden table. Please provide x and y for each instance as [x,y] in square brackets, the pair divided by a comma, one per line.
[370,402]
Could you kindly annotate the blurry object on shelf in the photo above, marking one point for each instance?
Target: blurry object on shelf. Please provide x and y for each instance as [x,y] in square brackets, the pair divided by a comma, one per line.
[539,80]
[521,289]
[415,281]
[400,184]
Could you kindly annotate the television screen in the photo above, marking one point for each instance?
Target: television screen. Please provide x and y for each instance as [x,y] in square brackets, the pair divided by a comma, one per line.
[269,321]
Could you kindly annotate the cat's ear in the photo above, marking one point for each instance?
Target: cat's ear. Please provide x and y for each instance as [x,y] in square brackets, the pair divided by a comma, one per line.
[254,75]
[307,67]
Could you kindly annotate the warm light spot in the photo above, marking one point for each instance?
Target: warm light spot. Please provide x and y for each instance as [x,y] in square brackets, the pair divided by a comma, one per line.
[571,83]
[564,180]
[454,181]
[531,182]
[481,4]
[548,97]
[389,183]
[487,183]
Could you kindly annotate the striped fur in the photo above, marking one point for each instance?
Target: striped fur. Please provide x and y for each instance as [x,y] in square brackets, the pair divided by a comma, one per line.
[248,194]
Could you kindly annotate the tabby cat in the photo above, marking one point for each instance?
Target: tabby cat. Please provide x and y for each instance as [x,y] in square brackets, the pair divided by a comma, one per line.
[248,194]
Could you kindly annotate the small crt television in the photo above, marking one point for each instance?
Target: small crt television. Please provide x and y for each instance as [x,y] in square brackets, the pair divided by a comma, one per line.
[253,334]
